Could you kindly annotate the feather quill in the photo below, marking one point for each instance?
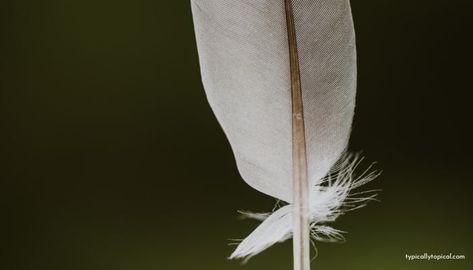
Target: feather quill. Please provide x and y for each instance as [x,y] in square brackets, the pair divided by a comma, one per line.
[280,76]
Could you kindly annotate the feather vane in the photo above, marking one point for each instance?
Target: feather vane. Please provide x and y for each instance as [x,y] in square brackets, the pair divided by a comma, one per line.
[280,76]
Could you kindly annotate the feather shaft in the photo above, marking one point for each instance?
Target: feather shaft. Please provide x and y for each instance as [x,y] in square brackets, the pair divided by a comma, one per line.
[301,230]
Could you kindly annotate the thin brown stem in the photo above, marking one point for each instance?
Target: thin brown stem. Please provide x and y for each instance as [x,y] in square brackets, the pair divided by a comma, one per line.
[300,200]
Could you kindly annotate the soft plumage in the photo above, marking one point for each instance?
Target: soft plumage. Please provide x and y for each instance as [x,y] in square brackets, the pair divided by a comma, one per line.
[330,197]
[244,56]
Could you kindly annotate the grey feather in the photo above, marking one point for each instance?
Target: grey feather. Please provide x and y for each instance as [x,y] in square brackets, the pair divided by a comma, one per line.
[244,58]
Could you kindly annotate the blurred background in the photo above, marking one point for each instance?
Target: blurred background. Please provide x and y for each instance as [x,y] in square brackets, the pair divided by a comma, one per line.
[110,157]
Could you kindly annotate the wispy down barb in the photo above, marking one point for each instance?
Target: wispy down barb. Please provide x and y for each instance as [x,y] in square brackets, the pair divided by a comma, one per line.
[331,197]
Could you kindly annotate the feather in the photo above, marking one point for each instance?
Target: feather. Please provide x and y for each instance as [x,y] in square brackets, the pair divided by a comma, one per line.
[280,76]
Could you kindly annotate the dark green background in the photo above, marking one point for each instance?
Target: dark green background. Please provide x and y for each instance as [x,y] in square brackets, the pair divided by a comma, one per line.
[111,157]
